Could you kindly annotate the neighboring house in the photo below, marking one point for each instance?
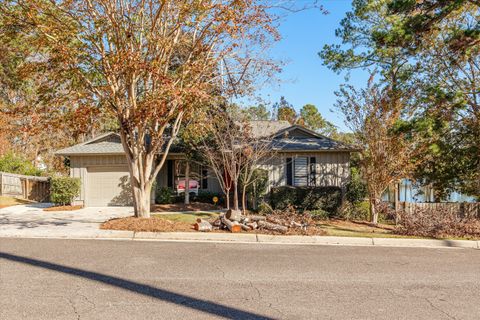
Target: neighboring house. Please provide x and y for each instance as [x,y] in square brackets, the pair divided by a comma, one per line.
[301,158]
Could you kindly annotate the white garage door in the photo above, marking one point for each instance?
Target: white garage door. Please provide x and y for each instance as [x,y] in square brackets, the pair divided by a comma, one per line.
[108,186]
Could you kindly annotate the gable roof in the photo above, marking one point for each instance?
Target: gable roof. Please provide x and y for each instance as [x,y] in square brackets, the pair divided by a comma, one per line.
[310,144]
[283,140]
[267,128]
[108,143]
[309,141]
[310,133]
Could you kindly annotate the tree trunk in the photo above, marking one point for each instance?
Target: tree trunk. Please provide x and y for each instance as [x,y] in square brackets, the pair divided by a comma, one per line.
[203,225]
[227,200]
[244,199]
[272,226]
[373,210]
[187,182]
[235,197]
[232,226]
[396,203]
[254,204]
[141,201]
[233,215]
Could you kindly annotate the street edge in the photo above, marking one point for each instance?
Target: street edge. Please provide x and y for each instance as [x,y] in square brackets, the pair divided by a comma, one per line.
[263,239]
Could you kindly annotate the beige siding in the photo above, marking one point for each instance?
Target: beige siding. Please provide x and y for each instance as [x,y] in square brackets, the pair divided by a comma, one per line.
[333,168]
[79,165]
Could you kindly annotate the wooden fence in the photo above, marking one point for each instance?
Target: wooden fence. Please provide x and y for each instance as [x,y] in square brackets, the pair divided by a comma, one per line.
[462,209]
[25,187]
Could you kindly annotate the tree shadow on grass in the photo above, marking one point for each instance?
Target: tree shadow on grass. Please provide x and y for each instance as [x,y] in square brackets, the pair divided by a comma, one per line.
[143,289]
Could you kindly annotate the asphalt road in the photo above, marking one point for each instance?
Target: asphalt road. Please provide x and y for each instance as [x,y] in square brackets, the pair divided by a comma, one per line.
[99,279]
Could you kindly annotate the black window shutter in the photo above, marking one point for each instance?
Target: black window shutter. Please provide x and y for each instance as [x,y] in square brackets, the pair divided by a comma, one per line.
[313,171]
[170,173]
[289,172]
[204,178]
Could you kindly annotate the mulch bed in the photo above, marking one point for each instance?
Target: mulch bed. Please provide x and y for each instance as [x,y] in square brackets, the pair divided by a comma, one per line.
[159,224]
[153,224]
[63,208]
[176,207]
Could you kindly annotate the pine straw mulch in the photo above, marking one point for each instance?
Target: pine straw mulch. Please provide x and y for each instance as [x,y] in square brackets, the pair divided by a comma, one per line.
[63,208]
[177,207]
[153,224]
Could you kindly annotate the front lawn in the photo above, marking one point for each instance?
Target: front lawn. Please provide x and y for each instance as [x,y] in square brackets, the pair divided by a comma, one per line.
[9,201]
[344,228]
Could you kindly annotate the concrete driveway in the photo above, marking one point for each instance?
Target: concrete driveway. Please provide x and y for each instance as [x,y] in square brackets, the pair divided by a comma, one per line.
[31,221]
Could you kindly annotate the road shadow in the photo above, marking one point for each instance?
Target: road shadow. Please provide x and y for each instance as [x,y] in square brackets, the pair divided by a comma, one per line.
[39,205]
[206,306]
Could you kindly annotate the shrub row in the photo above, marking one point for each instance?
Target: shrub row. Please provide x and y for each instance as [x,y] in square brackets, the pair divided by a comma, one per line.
[326,199]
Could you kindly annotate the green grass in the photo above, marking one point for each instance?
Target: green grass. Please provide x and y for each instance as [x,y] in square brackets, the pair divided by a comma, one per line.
[9,201]
[358,230]
[339,232]
[189,217]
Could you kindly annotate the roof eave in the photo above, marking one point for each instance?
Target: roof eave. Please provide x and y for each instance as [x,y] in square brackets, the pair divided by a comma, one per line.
[67,154]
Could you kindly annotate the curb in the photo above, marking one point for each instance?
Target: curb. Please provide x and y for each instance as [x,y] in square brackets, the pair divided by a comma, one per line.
[255,238]
[195,236]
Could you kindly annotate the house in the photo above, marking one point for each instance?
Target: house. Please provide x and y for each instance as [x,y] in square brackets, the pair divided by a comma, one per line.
[301,158]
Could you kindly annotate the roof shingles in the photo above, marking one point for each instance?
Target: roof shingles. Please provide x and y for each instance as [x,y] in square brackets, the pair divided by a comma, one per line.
[110,143]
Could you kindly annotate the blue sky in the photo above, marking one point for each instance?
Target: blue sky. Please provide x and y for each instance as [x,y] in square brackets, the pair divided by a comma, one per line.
[304,79]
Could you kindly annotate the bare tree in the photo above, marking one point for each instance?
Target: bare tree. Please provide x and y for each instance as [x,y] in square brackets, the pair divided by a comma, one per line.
[234,149]
[221,147]
[388,153]
[257,146]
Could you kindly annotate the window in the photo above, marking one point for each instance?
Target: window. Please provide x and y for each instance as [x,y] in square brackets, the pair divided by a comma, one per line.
[289,171]
[197,172]
[313,172]
[301,171]
[170,173]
